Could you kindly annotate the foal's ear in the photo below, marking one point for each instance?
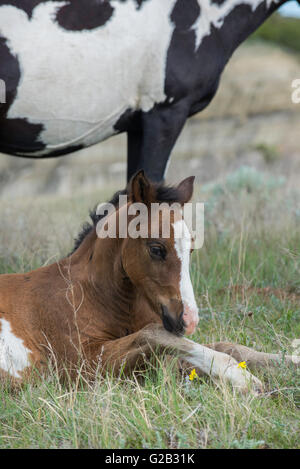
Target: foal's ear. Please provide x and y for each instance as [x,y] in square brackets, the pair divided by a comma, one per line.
[140,188]
[186,189]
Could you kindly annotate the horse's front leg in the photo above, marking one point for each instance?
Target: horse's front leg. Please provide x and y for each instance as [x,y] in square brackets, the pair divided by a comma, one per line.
[253,358]
[151,142]
[129,352]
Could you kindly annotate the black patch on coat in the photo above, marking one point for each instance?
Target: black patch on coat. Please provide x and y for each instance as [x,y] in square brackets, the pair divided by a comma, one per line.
[26,5]
[16,135]
[218,2]
[87,14]
[184,17]
[84,14]
[10,74]
[182,68]
[194,75]
[19,136]
[129,120]
[75,7]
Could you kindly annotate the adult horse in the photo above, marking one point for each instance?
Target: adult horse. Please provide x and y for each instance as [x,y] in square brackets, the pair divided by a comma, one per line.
[117,299]
[78,72]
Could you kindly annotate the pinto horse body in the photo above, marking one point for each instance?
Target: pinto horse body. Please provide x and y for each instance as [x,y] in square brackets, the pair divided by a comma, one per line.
[78,72]
[114,301]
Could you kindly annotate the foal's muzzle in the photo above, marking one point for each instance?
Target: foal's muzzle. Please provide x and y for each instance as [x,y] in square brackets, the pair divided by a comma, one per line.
[176,326]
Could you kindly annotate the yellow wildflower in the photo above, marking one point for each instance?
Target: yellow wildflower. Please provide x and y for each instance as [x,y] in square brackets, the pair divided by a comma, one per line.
[242,365]
[193,375]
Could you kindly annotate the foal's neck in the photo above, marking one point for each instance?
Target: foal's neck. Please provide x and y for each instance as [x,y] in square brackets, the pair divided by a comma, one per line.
[98,265]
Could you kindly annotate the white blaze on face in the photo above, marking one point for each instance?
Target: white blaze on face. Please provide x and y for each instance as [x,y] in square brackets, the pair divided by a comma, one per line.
[183,241]
[14,356]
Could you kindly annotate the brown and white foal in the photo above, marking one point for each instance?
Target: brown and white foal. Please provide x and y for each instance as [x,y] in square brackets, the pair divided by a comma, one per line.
[114,301]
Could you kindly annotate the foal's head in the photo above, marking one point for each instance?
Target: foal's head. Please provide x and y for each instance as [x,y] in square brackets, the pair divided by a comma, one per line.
[155,256]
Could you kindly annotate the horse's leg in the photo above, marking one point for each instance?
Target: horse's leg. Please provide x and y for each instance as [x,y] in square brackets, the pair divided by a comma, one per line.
[150,146]
[134,150]
[253,359]
[129,352]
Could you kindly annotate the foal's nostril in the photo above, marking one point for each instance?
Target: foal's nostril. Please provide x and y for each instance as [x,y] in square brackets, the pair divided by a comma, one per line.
[171,325]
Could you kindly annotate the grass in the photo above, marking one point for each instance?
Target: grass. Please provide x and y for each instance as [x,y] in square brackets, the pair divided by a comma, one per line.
[252,239]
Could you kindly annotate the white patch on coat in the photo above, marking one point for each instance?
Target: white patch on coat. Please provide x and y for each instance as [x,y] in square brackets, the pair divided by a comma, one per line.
[77,84]
[14,356]
[183,242]
[213,14]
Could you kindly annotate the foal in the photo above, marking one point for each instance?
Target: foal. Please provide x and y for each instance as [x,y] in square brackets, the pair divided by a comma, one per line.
[115,300]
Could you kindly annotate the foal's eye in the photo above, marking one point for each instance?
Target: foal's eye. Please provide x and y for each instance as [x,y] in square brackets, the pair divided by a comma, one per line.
[157,252]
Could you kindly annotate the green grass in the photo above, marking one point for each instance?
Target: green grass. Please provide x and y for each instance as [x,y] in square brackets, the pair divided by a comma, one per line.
[282,31]
[252,239]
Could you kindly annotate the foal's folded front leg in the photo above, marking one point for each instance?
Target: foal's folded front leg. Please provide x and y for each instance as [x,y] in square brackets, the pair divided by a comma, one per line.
[129,352]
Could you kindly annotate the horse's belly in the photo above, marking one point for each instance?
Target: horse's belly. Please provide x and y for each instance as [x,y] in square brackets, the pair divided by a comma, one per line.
[77,84]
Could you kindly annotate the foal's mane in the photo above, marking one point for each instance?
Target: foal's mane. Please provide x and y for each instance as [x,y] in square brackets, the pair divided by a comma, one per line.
[163,194]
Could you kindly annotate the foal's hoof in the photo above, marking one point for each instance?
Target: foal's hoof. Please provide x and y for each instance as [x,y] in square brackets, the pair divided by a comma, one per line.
[244,382]
[253,386]
[256,386]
